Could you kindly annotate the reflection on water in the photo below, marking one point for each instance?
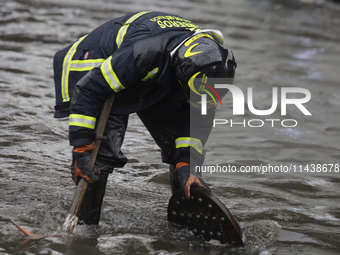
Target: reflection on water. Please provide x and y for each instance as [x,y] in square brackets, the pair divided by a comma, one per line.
[288,43]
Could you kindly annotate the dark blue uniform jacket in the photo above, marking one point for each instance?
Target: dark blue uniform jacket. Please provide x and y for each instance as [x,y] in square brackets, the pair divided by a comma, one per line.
[129,56]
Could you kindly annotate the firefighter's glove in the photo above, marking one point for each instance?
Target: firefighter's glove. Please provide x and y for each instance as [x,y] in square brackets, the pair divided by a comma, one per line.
[81,164]
[187,179]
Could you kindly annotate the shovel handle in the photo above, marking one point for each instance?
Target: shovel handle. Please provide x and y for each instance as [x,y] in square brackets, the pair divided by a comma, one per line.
[72,218]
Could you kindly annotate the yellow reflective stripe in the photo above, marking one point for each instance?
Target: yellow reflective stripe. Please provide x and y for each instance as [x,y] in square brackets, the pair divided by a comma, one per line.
[85,65]
[66,70]
[123,29]
[187,43]
[82,121]
[189,141]
[151,74]
[110,76]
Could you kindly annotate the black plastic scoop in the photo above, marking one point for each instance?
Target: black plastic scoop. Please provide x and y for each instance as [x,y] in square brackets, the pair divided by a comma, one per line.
[206,216]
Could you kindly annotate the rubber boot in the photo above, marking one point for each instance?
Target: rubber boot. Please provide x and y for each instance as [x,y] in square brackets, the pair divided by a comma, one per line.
[93,199]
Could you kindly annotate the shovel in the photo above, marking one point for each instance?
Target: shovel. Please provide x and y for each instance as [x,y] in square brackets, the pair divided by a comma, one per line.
[72,218]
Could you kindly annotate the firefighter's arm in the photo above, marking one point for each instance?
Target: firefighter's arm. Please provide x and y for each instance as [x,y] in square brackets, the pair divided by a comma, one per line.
[193,132]
[116,73]
[140,58]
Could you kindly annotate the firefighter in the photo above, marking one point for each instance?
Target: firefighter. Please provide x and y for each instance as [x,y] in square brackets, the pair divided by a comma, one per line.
[150,60]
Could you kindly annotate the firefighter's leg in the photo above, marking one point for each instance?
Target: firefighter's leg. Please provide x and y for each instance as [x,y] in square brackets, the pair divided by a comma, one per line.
[173,182]
[93,199]
[109,156]
[162,125]
[163,130]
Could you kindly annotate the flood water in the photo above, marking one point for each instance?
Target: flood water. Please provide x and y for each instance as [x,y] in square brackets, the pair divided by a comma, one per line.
[283,43]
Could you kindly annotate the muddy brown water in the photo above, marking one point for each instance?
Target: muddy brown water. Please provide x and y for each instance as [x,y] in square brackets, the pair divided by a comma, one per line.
[278,44]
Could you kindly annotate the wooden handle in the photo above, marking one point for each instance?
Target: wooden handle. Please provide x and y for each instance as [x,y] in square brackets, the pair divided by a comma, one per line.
[72,218]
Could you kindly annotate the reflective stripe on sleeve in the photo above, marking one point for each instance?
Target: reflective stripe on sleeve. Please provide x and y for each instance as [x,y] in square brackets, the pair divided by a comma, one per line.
[189,141]
[66,69]
[123,29]
[82,121]
[110,76]
[151,74]
[85,65]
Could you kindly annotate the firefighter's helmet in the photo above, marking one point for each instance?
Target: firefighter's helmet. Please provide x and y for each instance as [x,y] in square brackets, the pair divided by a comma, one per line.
[201,56]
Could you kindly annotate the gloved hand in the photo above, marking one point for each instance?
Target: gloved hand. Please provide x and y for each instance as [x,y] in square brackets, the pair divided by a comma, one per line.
[81,164]
[187,179]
